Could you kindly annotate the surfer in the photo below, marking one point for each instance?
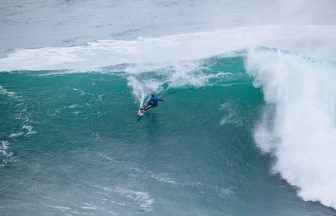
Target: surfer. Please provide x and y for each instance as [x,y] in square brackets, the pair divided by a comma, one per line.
[152,102]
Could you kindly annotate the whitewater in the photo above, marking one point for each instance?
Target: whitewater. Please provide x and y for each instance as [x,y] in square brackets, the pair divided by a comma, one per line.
[248,128]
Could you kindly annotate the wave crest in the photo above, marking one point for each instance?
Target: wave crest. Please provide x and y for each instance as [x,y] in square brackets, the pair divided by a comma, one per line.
[301,132]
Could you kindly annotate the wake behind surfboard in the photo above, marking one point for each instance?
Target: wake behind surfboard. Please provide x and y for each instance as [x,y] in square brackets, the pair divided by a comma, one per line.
[142,109]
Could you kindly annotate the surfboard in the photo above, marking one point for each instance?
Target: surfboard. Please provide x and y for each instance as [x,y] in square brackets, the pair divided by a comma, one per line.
[141,112]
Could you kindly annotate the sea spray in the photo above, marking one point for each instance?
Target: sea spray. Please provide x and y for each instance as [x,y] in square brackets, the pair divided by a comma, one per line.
[141,90]
[300,131]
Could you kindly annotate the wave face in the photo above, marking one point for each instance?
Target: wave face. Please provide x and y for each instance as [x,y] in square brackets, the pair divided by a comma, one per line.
[71,141]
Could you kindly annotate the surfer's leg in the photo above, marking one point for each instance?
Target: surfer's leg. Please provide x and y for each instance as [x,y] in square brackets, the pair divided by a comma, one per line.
[147,107]
[150,106]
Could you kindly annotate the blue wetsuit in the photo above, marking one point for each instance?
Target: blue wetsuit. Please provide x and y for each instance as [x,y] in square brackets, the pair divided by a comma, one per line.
[153,102]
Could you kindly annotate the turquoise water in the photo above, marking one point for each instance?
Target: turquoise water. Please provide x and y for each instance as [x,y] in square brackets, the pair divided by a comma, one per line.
[248,126]
[72,144]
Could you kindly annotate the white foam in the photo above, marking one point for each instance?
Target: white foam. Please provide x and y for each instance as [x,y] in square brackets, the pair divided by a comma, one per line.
[62,208]
[4,151]
[230,119]
[225,192]
[141,89]
[143,198]
[301,131]
[4,145]
[5,92]
[89,206]
[174,48]
[29,129]
[14,135]
[174,75]
[73,106]
[163,177]
[230,116]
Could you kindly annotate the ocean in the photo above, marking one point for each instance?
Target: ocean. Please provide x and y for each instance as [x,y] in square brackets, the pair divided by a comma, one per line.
[248,125]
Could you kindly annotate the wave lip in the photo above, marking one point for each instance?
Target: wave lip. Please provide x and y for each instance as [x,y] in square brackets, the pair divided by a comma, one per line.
[299,127]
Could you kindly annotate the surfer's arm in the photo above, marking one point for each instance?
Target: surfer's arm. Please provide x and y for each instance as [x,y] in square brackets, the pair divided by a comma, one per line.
[146,102]
[161,99]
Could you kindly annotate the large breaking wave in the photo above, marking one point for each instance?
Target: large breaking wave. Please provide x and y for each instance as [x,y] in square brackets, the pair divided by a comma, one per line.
[298,127]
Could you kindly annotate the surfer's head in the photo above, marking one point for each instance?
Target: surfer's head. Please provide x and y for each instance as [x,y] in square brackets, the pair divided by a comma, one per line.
[152,95]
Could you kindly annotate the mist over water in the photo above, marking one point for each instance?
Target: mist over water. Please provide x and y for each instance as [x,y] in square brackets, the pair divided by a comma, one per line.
[248,127]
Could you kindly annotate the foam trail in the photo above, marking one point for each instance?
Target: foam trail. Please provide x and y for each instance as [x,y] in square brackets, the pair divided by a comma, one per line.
[174,48]
[5,92]
[301,132]
[141,89]
[170,75]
